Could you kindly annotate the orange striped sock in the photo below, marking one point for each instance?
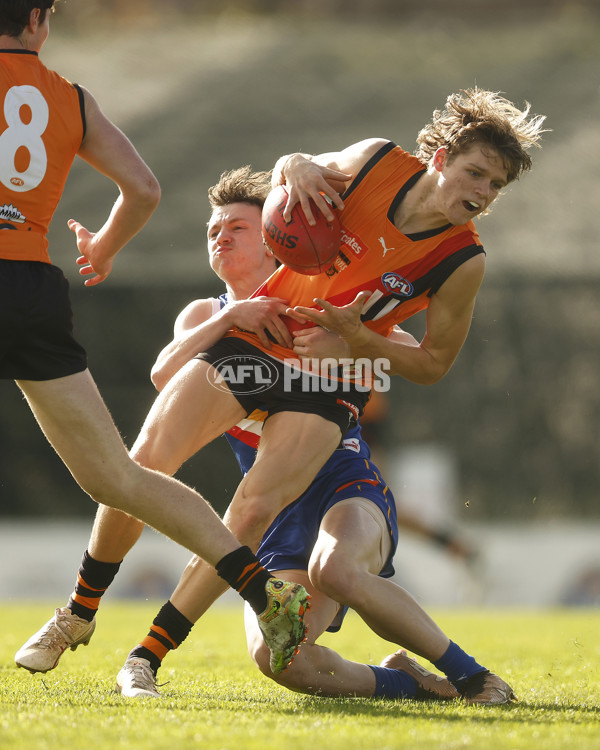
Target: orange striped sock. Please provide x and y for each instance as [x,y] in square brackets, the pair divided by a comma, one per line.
[93,579]
[243,571]
[169,629]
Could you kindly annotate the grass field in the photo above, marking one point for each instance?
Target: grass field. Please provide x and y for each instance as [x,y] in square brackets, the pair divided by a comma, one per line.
[215,699]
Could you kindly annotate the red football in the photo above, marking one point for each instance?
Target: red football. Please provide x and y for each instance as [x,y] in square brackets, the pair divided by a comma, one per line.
[298,245]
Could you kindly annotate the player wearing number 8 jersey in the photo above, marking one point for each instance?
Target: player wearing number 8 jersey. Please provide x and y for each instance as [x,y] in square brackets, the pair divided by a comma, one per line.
[45,121]
[42,126]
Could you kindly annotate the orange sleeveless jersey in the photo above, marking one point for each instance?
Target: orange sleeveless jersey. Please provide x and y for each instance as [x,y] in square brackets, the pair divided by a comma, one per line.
[402,271]
[42,124]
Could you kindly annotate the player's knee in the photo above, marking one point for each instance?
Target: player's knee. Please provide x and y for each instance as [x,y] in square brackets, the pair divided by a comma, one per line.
[261,659]
[293,678]
[153,454]
[334,578]
[251,519]
[104,486]
[114,486]
[260,655]
[325,574]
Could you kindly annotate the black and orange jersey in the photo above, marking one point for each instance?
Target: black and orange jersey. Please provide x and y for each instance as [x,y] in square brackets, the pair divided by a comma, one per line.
[401,271]
[42,125]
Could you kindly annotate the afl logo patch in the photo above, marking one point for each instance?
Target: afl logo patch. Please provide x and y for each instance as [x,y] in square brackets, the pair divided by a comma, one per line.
[395,284]
[242,374]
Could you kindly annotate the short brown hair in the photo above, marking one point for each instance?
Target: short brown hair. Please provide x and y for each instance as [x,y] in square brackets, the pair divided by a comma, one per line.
[14,14]
[240,186]
[476,116]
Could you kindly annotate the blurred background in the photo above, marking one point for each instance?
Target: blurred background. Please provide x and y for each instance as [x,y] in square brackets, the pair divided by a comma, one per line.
[502,455]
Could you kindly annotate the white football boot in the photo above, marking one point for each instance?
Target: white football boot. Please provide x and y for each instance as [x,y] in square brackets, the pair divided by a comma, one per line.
[137,680]
[44,649]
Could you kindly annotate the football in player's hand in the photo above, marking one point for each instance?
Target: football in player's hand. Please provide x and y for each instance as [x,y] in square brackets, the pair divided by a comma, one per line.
[298,245]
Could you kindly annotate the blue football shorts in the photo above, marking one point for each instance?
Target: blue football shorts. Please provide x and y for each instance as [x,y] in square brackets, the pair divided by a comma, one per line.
[289,541]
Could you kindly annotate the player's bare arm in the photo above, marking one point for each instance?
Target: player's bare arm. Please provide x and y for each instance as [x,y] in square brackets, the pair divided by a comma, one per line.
[196,329]
[313,177]
[112,154]
[186,339]
[448,321]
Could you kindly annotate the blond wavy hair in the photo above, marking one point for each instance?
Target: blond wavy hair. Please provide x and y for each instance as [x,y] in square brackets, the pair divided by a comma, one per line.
[474,116]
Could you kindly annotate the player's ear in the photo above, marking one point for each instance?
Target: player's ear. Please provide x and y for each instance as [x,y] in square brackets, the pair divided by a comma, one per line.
[34,19]
[439,158]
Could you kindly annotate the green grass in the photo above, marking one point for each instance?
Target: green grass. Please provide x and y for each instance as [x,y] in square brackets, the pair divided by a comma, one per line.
[215,699]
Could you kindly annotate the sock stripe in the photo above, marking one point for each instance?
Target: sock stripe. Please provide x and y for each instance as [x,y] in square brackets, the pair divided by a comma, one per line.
[93,579]
[247,570]
[247,581]
[243,572]
[83,584]
[91,602]
[162,635]
[155,646]
[168,630]
[91,593]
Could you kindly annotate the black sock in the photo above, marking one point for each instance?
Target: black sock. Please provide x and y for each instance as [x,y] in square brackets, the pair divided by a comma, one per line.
[244,573]
[168,631]
[93,579]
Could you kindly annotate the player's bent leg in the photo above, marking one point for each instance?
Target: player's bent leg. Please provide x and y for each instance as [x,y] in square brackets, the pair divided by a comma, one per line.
[187,415]
[318,670]
[347,552]
[346,559]
[273,482]
[293,448]
[315,669]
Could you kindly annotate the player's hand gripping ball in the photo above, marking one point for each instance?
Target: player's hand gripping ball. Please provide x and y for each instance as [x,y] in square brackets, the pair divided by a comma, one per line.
[298,245]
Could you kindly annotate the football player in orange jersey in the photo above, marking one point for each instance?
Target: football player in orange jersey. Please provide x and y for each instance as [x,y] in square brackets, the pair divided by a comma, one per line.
[409,245]
[45,121]
[338,539]
[466,155]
